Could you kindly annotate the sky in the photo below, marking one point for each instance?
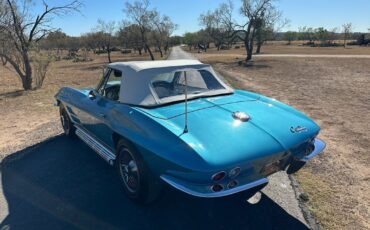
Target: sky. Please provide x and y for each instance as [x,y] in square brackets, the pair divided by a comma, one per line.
[185,13]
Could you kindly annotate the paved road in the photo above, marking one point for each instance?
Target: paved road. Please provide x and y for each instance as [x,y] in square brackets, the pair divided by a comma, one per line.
[178,53]
[62,184]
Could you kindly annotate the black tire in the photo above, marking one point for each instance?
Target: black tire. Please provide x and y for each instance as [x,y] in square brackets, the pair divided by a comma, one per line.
[139,184]
[68,127]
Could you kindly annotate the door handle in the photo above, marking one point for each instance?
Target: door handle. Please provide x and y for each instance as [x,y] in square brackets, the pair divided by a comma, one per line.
[102,115]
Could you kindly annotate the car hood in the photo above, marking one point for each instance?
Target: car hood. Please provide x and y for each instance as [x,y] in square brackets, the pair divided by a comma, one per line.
[219,138]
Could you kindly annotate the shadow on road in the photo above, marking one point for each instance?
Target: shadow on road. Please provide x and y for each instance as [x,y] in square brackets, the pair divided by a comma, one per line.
[62,184]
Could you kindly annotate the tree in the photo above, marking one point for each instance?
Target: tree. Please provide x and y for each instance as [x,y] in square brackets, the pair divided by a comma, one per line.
[290,36]
[263,34]
[139,14]
[322,35]
[130,37]
[202,38]
[333,35]
[90,41]
[190,39]
[163,28]
[347,30]
[105,35]
[55,40]
[176,40]
[218,24]
[307,34]
[272,23]
[256,13]
[23,31]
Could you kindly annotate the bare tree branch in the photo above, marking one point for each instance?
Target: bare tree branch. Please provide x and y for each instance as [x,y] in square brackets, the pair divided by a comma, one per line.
[23,30]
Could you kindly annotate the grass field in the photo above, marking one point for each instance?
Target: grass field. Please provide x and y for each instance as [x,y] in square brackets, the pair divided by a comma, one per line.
[333,91]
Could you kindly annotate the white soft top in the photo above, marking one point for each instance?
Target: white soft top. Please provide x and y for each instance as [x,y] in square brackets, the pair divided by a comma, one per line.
[136,87]
[143,65]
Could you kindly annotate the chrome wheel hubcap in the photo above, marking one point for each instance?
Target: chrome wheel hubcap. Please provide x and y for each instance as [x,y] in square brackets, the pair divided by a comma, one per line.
[129,172]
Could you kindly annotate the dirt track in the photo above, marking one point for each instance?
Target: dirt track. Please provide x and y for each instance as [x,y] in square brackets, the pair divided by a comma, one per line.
[349,56]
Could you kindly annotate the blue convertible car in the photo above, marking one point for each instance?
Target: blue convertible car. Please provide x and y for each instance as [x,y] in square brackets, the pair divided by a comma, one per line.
[177,122]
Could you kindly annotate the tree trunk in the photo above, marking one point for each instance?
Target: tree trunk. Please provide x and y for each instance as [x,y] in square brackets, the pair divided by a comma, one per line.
[248,42]
[160,51]
[150,52]
[4,61]
[166,48]
[139,49]
[108,50]
[27,77]
[249,51]
[259,45]
[249,48]
[109,59]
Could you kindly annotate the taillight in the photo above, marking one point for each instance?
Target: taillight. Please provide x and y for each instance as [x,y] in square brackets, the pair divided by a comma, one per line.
[232,184]
[217,187]
[234,172]
[218,176]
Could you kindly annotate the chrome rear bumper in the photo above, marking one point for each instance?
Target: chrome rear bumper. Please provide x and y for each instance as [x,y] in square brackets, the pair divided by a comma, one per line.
[193,190]
[319,147]
[172,181]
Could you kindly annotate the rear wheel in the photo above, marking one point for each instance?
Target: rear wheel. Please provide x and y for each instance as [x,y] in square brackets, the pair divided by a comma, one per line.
[68,127]
[140,185]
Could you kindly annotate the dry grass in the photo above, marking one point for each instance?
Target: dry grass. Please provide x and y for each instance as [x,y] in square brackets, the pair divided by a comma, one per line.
[335,93]
[22,112]
[281,48]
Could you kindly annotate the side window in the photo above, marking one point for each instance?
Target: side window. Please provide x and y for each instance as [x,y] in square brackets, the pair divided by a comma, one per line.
[111,85]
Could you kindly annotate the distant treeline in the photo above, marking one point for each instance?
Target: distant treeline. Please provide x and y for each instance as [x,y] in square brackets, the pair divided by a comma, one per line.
[307,35]
[323,37]
[123,41]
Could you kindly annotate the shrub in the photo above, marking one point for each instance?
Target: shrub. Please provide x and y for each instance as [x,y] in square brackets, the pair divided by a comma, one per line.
[101,52]
[127,51]
[40,67]
[114,49]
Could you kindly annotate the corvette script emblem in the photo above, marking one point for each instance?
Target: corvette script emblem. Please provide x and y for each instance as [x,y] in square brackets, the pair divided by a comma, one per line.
[298,129]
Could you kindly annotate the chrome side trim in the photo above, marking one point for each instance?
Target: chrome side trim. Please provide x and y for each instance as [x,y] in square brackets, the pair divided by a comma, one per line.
[212,194]
[105,153]
[319,147]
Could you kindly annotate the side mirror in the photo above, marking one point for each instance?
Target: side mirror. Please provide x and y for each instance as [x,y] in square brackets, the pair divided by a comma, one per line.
[92,95]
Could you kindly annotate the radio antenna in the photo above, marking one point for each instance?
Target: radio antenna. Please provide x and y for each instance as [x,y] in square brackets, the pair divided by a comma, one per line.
[186,104]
